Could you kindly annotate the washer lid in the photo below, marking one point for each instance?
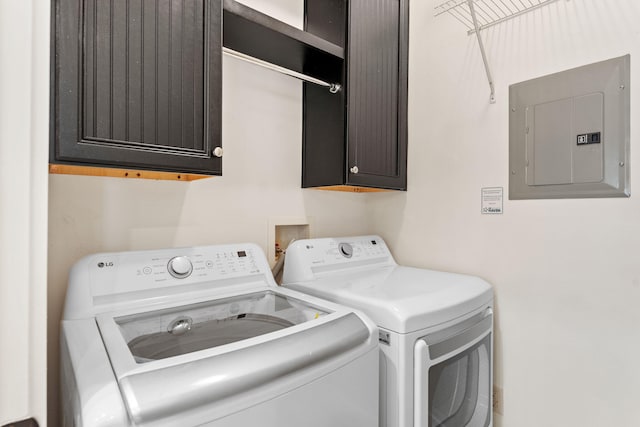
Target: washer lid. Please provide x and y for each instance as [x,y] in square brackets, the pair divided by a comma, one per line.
[186,329]
[402,299]
[179,358]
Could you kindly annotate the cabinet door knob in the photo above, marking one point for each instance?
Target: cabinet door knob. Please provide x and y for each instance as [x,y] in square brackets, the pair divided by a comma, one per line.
[217,151]
[354,170]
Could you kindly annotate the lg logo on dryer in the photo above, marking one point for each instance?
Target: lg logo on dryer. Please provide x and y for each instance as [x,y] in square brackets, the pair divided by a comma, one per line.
[105,264]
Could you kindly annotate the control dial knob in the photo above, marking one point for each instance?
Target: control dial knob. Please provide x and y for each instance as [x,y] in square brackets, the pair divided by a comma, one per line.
[180,267]
[346,250]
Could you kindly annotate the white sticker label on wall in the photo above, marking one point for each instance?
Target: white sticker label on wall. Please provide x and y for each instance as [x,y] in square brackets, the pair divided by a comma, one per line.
[492,200]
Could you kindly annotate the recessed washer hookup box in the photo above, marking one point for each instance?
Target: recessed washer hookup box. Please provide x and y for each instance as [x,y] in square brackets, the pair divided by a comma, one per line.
[569,133]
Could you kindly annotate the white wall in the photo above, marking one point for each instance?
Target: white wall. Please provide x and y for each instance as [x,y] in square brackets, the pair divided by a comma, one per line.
[566,272]
[262,128]
[24,136]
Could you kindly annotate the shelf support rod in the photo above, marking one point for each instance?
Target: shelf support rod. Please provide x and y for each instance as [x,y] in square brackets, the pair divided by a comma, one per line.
[492,97]
[333,87]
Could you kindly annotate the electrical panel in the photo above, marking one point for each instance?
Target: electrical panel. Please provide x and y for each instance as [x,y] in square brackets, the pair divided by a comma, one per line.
[569,133]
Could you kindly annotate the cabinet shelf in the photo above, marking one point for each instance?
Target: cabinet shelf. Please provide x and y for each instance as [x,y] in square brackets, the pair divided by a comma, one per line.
[253,33]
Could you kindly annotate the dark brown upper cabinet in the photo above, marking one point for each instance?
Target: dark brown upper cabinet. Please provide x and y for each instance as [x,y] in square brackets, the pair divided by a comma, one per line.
[137,84]
[359,138]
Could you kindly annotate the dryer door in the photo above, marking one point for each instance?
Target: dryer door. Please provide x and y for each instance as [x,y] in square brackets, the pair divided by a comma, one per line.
[454,375]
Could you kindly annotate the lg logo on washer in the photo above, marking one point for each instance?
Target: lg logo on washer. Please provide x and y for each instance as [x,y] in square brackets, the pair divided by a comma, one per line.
[105,264]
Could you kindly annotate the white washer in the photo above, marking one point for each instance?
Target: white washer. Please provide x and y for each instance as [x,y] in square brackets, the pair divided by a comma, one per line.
[203,336]
[435,328]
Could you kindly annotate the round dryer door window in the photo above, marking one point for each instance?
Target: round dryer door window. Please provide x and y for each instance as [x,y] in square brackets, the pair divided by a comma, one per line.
[459,388]
[453,375]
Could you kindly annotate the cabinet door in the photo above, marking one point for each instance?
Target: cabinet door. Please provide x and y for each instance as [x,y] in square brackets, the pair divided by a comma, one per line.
[377,60]
[138,84]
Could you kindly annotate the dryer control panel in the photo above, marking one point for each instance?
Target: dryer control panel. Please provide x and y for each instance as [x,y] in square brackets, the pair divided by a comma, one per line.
[307,259]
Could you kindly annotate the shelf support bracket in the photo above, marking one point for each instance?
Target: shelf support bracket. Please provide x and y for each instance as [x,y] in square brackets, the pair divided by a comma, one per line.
[472,10]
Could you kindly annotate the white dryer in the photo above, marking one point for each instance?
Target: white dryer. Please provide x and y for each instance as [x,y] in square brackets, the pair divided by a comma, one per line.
[435,328]
[203,336]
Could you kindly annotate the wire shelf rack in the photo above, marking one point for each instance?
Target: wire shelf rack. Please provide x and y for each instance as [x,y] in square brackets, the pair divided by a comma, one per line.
[488,12]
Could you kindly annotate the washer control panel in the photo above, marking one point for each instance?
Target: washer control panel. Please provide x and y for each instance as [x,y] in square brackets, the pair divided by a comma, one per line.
[138,271]
[346,249]
[180,267]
